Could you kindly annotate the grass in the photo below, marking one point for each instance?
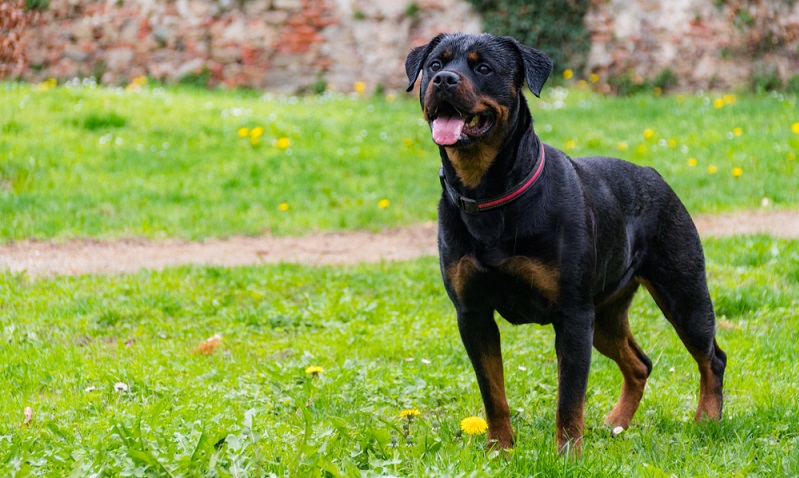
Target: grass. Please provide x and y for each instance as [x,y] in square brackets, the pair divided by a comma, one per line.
[146,161]
[386,338]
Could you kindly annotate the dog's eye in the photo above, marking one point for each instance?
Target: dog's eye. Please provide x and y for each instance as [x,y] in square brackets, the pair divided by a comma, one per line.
[435,66]
[484,69]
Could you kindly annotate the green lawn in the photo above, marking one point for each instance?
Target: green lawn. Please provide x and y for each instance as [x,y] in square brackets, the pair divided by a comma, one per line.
[387,340]
[156,162]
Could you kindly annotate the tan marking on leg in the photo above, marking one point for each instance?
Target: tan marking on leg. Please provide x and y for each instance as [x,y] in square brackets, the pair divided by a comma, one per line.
[499,430]
[544,278]
[634,371]
[710,400]
[460,272]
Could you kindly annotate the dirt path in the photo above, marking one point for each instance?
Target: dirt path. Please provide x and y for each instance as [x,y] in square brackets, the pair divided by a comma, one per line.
[89,256]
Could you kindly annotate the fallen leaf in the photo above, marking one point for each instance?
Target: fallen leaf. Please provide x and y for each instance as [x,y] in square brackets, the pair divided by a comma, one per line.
[208,346]
[727,325]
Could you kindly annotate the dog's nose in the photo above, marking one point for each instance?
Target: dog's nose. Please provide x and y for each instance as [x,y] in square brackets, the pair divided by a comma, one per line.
[446,80]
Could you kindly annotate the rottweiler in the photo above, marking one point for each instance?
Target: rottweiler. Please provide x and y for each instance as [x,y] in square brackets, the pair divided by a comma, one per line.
[540,237]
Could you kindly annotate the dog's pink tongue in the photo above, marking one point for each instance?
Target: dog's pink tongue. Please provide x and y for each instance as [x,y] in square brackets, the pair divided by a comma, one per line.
[447,131]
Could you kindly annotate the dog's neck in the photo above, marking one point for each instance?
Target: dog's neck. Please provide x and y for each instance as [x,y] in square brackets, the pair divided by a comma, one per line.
[486,170]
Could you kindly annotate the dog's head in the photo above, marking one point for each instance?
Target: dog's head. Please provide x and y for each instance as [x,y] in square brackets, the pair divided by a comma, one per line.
[471,85]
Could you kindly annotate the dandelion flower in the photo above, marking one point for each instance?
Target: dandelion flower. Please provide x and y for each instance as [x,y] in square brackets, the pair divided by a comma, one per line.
[593,78]
[728,99]
[795,128]
[409,413]
[622,146]
[718,103]
[692,162]
[737,132]
[648,133]
[383,203]
[314,370]
[473,425]
[737,172]
[657,91]
[283,143]
[244,132]
[712,169]
[284,206]
[120,387]
[641,149]
[582,84]
[359,87]
[791,156]
[671,143]
[256,132]
[570,144]
[567,74]
[391,97]
[407,141]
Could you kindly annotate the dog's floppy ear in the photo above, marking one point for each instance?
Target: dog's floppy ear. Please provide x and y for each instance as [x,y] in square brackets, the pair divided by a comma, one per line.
[537,67]
[417,57]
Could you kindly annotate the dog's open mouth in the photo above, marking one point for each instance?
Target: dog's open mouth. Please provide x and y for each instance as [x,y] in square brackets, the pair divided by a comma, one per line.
[451,126]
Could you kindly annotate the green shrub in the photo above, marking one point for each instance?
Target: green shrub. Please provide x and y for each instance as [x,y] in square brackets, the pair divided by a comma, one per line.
[553,26]
[666,80]
[765,80]
[792,85]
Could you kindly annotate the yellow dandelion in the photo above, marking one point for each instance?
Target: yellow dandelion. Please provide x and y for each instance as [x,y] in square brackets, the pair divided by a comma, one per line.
[567,74]
[622,146]
[692,162]
[140,80]
[283,143]
[391,97]
[791,156]
[254,140]
[284,206]
[582,84]
[359,87]
[648,133]
[795,128]
[473,425]
[728,99]
[407,141]
[383,203]
[657,91]
[737,132]
[672,143]
[570,144]
[409,413]
[244,132]
[256,132]
[718,103]
[314,370]
[712,169]
[593,78]
[737,172]
[641,149]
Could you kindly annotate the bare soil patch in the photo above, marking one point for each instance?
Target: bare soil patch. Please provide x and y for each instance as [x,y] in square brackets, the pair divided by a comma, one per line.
[98,257]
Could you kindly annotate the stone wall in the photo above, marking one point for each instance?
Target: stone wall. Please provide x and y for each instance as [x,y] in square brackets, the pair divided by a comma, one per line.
[706,43]
[282,45]
[298,45]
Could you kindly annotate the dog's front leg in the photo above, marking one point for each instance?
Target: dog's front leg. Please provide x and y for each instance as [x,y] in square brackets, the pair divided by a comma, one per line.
[573,338]
[480,336]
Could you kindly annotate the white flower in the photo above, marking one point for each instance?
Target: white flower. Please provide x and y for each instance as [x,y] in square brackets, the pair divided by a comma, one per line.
[617,431]
[120,387]
[426,362]
[90,388]
[522,368]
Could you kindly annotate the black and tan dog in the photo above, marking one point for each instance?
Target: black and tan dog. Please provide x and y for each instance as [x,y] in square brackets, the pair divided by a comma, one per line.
[540,237]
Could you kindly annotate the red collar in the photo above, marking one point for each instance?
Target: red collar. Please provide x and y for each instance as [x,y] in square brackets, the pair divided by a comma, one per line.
[476,206]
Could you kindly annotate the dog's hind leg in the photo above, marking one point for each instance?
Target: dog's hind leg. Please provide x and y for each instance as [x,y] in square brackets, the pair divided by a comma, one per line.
[612,338]
[675,276]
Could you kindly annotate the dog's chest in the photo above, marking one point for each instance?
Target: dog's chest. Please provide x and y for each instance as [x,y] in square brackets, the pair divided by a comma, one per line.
[521,288]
